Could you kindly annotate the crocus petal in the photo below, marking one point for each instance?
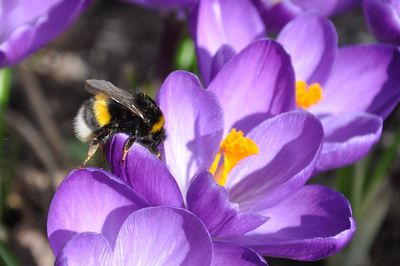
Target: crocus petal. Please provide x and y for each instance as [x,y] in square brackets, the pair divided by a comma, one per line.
[311,224]
[255,84]
[234,255]
[364,78]
[222,56]
[327,7]
[162,4]
[216,24]
[311,41]
[210,202]
[194,126]
[87,249]
[144,173]
[151,236]
[29,25]
[163,236]
[383,19]
[113,150]
[277,13]
[348,137]
[288,148]
[89,200]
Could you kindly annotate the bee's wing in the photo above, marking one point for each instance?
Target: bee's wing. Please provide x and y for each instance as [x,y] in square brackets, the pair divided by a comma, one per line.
[123,97]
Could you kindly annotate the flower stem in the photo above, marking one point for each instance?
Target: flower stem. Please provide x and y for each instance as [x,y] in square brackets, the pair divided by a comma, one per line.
[5,84]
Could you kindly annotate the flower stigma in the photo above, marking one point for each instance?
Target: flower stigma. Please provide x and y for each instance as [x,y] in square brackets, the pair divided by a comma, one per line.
[307,96]
[234,148]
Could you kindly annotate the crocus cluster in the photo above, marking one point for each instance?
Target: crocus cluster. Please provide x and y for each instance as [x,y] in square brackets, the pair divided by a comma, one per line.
[231,185]
[28,25]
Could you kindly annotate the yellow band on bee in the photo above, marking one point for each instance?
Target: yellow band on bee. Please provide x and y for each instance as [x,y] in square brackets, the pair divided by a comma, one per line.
[157,126]
[100,108]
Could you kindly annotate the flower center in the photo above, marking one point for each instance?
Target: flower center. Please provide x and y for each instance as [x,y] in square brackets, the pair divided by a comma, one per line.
[234,148]
[307,96]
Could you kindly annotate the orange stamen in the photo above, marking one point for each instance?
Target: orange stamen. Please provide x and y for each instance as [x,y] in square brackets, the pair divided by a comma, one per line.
[307,96]
[234,148]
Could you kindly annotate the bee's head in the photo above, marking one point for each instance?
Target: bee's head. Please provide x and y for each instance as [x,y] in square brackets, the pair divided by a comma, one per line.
[154,119]
[158,137]
[154,140]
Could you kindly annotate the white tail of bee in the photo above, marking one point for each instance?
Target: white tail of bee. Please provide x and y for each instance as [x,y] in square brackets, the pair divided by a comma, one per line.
[82,130]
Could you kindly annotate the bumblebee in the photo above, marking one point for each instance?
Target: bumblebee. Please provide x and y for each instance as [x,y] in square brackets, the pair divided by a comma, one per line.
[112,110]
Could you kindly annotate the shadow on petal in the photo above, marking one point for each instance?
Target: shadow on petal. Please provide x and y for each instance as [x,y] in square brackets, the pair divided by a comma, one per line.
[60,237]
[195,145]
[246,124]
[113,222]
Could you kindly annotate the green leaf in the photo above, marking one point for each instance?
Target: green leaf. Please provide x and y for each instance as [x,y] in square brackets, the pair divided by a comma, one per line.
[6,257]
[357,184]
[343,180]
[5,82]
[385,162]
[186,56]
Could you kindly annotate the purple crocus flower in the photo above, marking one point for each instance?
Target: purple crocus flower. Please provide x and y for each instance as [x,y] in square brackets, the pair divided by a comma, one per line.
[247,188]
[26,26]
[355,87]
[276,13]
[221,29]
[350,89]
[383,19]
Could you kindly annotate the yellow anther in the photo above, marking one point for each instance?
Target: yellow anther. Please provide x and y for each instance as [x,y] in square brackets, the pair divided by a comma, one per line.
[307,96]
[234,148]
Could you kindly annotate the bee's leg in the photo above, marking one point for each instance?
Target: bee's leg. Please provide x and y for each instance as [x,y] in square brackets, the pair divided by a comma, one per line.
[101,137]
[92,150]
[104,133]
[127,145]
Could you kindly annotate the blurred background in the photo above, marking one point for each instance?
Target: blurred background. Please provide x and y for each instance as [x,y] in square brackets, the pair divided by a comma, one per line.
[136,48]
